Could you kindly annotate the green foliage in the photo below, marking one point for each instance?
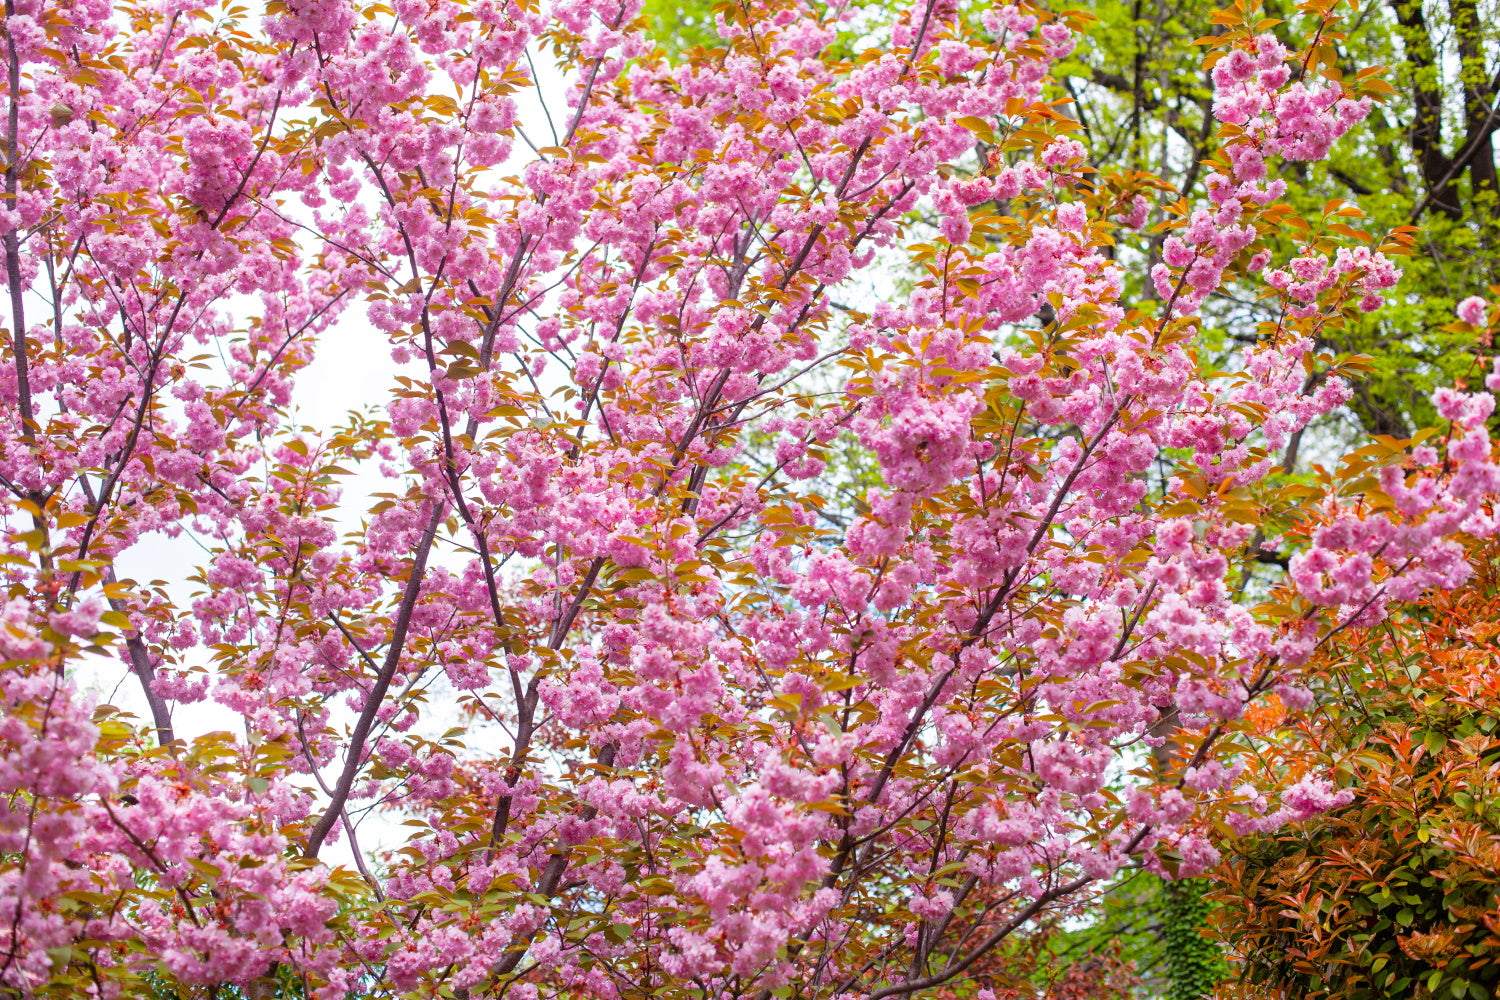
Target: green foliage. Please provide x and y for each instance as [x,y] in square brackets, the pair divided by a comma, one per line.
[680,24]
[1124,925]
[1193,961]
[1160,927]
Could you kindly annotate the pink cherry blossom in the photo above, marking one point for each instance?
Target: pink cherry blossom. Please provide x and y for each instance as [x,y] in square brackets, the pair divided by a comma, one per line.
[725,608]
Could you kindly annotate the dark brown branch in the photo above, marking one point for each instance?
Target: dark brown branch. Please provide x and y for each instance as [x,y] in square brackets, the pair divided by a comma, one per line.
[354,759]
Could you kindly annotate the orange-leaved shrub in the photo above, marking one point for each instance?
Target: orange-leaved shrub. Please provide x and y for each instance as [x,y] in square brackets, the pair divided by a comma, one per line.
[1396,894]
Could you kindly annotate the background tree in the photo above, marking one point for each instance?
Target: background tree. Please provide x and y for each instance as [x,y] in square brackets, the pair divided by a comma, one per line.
[1424,157]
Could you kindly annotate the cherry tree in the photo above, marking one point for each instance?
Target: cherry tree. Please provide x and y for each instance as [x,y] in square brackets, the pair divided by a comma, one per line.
[802,487]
